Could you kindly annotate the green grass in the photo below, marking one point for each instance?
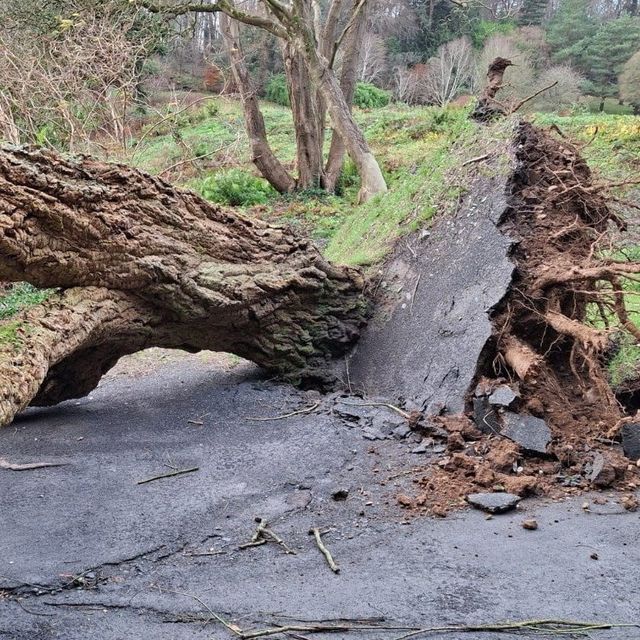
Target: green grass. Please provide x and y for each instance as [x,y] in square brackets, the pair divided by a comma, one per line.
[9,334]
[609,143]
[20,296]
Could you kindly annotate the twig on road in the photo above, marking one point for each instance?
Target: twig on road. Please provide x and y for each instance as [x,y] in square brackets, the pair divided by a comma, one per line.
[286,415]
[10,466]
[171,474]
[315,532]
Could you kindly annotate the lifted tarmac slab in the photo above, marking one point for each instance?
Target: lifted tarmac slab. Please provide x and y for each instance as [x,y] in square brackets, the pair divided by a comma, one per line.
[432,319]
[129,544]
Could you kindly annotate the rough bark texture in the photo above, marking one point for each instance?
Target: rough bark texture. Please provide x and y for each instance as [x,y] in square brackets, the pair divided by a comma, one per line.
[488,107]
[142,264]
[348,79]
[262,155]
[307,120]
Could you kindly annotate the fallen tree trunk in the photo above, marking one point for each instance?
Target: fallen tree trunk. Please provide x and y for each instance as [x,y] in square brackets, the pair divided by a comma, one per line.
[138,264]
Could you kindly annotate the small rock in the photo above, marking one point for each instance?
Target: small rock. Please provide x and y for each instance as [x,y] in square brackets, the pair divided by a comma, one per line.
[340,495]
[482,389]
[401,432]
[435,408]
[369,433]
[600,472]
[386,422]
[532,434]
[631,440]
[484,416]
[594,556]
[404,500]
[630,503]
[439,511]
[503,396]
[493,502]
[352,412]
[531,525]
[421,448]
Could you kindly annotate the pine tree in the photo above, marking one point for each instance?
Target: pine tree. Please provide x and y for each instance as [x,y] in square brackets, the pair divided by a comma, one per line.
[532,13]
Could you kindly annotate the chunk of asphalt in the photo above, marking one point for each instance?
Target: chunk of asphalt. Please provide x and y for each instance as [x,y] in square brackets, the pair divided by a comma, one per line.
[352,411]
[600,472]
[503,396]
[402,431]
[369,433]
[484,416]
[386,423]
[532,434]
[631,440]
[498,502]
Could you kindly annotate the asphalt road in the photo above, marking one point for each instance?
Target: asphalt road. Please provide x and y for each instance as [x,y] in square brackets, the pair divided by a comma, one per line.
[87,552]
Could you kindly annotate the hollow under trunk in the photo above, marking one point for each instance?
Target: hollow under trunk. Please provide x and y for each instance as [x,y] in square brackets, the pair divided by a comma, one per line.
[137,264]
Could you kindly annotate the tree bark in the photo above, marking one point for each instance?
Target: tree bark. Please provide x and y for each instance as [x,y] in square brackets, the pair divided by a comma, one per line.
[262,156]
[372,180]
[307,119]
[138,264]
[348,80]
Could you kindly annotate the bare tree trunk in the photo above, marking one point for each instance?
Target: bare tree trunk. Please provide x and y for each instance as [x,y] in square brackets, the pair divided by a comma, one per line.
[372,180]
[142,264]
[348,80]
[307,119]
[262,155]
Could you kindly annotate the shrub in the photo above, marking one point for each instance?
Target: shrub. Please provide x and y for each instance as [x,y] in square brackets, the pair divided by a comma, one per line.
[564,94]
[236,188]
[278,91]
[368,96]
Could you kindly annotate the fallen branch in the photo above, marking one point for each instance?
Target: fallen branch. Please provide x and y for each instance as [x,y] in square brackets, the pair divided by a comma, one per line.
[253,543]
[532,96]
[277,539]
[10,466]
[315,532]
[404,414]
[263,534]
[486,156]
[551,627]
[286,415]
[178,472]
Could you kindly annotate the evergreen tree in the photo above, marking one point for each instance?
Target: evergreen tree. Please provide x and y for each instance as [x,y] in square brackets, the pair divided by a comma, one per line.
[570,27]
[532,13]
[602,56]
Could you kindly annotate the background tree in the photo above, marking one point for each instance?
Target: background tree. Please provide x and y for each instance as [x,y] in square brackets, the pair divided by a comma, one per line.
[533,13]
[310,44]
[601,56]
[448,72]
[630,82]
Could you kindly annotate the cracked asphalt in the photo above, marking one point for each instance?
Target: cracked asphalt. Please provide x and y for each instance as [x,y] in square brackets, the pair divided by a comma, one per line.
[87,552]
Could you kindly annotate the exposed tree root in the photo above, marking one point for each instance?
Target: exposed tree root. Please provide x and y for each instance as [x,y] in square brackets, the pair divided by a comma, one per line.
[543,338]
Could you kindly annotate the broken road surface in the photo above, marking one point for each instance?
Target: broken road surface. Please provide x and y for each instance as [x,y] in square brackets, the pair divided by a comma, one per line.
[87,552]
